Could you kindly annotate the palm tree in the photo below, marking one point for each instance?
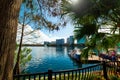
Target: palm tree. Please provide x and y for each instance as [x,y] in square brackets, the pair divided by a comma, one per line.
[89,18]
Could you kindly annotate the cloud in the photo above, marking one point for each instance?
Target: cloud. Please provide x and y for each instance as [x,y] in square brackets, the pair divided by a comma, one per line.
[31,36]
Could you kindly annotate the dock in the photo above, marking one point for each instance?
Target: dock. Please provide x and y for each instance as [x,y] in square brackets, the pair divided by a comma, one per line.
[92,59]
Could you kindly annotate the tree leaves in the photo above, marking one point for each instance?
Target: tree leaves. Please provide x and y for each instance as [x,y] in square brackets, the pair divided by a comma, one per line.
[25,57]
[87,29]
[90,16]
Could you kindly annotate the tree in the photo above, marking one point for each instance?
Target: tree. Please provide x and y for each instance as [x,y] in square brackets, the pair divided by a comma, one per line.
[25,57]
[89,16]
[35,12]
[8,27]
[25,15]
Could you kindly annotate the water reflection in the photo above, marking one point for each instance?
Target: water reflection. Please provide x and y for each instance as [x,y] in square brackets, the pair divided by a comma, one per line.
[54,58]
[60,50]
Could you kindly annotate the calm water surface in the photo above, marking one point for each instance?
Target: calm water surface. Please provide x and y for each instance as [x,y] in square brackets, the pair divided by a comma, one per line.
[54,58]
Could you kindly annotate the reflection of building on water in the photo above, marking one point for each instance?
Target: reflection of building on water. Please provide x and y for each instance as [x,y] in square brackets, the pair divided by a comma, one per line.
[60,49]
[70,48]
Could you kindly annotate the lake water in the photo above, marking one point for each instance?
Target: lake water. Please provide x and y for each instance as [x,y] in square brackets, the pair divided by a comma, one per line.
[54,58]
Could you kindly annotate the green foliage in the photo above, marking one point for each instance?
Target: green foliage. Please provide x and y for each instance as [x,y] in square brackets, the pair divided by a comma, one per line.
[95,77]
[66,7]
[86,29]
[25,56]
[85,52]
[89,16]
[37,12]
[114,77]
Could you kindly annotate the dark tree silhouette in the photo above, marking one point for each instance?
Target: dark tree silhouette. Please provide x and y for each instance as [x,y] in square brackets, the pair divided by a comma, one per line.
[8,27]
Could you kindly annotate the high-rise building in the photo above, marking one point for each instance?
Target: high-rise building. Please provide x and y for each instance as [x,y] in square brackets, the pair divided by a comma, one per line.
[46,43]
[60,42]
[70,40]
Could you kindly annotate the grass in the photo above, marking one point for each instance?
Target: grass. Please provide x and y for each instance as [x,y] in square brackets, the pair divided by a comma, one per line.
[96,75]
[82,76]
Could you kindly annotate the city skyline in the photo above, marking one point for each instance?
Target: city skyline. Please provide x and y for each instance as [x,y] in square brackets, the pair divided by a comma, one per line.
[64,32]
[39,36]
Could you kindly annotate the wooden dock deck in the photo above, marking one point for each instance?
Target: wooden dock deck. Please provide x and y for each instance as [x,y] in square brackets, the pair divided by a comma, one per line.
[94,57]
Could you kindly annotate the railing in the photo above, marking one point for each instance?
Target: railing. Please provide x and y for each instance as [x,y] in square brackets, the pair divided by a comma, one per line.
[87,73]
[113,68]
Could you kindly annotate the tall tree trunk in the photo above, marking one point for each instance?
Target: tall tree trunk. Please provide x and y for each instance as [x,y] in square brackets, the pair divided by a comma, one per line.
[9,12]
[17,65]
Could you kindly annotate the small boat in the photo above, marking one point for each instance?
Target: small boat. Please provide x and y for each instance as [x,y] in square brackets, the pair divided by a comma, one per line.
[109,57]
[75,54]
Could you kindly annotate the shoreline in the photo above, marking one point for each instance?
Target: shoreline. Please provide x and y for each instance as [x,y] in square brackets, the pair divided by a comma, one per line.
[55,45]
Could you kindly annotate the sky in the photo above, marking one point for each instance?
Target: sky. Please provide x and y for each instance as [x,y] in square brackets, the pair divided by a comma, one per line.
[64,32]
[39,36]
